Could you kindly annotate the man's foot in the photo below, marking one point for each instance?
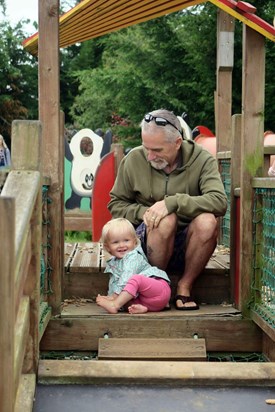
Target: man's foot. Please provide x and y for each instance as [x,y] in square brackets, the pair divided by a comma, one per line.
[137,308]
[185,303]
[106,304]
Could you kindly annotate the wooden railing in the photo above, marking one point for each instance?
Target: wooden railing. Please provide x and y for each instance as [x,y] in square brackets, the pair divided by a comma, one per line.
[241,276]
[20,253]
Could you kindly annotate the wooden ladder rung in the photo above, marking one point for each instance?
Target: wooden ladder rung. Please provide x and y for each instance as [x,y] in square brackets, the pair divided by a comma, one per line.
[151,349]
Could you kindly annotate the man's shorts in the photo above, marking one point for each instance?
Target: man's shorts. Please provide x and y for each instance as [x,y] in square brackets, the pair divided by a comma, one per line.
[177,259]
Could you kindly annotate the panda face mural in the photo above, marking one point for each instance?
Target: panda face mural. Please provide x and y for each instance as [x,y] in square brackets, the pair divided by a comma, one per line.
[85,147]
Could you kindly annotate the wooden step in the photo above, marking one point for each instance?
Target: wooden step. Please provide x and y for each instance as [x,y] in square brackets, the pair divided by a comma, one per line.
[80,326]
[173,373]
[152,349]
[84,275]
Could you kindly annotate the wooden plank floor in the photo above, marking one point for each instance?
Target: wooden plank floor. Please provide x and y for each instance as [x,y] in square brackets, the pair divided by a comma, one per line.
[82,323]
[90,256]
[81,307]
[85,264]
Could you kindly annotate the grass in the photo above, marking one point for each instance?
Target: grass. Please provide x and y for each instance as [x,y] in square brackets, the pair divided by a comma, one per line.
[73,236]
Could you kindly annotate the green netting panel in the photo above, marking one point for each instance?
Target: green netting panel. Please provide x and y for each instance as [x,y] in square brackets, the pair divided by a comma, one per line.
[225,221]
[236,357]
[263,285]
[211,357]
[46,270]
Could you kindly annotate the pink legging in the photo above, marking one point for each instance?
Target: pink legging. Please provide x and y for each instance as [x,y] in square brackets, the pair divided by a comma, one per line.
[154,293]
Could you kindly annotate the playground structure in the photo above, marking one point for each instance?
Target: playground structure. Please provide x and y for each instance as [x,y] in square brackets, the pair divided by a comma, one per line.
[32,319]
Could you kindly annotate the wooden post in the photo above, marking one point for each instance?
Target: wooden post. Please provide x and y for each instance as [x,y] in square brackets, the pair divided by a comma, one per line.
[235,183]
[7,312]
[61,194]
[32,288]
[26,149]
[251,149]
[223,96]
[52,149]
[117,148]
[26,145]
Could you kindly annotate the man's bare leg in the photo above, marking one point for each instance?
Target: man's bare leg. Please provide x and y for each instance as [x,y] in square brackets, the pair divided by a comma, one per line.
[160,242]
[200,244]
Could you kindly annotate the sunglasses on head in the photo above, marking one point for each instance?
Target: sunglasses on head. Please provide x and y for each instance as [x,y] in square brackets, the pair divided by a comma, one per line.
[160,121]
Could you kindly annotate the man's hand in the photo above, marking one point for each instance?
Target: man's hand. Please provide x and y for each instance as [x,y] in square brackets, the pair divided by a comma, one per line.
[154,214]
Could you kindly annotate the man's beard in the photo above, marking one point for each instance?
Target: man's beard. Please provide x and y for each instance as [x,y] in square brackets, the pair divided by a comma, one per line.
[160,165]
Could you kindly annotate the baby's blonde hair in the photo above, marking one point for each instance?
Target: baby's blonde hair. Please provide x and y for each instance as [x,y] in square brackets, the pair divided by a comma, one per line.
[119,225]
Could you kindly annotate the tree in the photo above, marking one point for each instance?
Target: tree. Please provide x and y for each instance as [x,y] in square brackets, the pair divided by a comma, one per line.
[18,78]
[167,62]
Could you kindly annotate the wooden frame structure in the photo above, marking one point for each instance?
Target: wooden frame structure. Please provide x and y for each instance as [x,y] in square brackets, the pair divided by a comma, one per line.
[242,138]
[20,230]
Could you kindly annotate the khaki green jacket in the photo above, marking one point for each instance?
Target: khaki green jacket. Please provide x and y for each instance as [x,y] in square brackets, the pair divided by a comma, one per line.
[188,191]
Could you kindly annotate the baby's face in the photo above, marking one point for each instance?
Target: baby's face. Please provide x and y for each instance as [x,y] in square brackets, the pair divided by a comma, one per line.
[120,244]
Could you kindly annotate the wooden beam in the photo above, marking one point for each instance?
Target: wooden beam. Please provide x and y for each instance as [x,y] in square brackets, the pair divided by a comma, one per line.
[26,145]
[268,348]
[251,149]
[52,149]
[266,328]
[80,222]
[25,393]
[24,186]
[152,349]
[223,95]
[235,182]
[156,373]
[221,335]
[32,287]
[21,333]
[7,312]
[45,314]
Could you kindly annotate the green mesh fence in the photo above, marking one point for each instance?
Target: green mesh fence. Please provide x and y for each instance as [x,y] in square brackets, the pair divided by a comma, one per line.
[46,269]
[236,357]
[211,357]
[263,285]
[225,221]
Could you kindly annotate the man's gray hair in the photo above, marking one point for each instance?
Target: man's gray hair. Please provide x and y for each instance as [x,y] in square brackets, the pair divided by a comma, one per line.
[170,132]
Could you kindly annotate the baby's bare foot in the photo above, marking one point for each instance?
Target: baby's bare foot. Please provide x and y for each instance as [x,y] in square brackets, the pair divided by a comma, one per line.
[107,305]
[137,308]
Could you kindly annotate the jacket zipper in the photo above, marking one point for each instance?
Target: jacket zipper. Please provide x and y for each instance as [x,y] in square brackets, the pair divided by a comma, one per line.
[166,184]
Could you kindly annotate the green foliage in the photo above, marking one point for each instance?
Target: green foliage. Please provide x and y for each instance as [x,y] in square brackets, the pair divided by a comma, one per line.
[73,236]
[18,78]
[167,62]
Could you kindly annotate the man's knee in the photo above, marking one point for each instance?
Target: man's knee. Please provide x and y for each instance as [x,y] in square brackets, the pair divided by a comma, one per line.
[168,224]
[205,225]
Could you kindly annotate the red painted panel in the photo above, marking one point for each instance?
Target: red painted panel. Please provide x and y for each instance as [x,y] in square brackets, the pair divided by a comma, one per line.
[103,183]
[204,131]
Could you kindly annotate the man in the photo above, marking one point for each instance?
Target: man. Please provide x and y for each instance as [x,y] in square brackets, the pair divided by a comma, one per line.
[170,189]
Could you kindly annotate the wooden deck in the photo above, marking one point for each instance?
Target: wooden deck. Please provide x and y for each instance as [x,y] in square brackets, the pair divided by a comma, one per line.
[82,323]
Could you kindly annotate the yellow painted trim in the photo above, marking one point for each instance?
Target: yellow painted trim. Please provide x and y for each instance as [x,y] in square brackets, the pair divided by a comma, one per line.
[243,19]
[91,19]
